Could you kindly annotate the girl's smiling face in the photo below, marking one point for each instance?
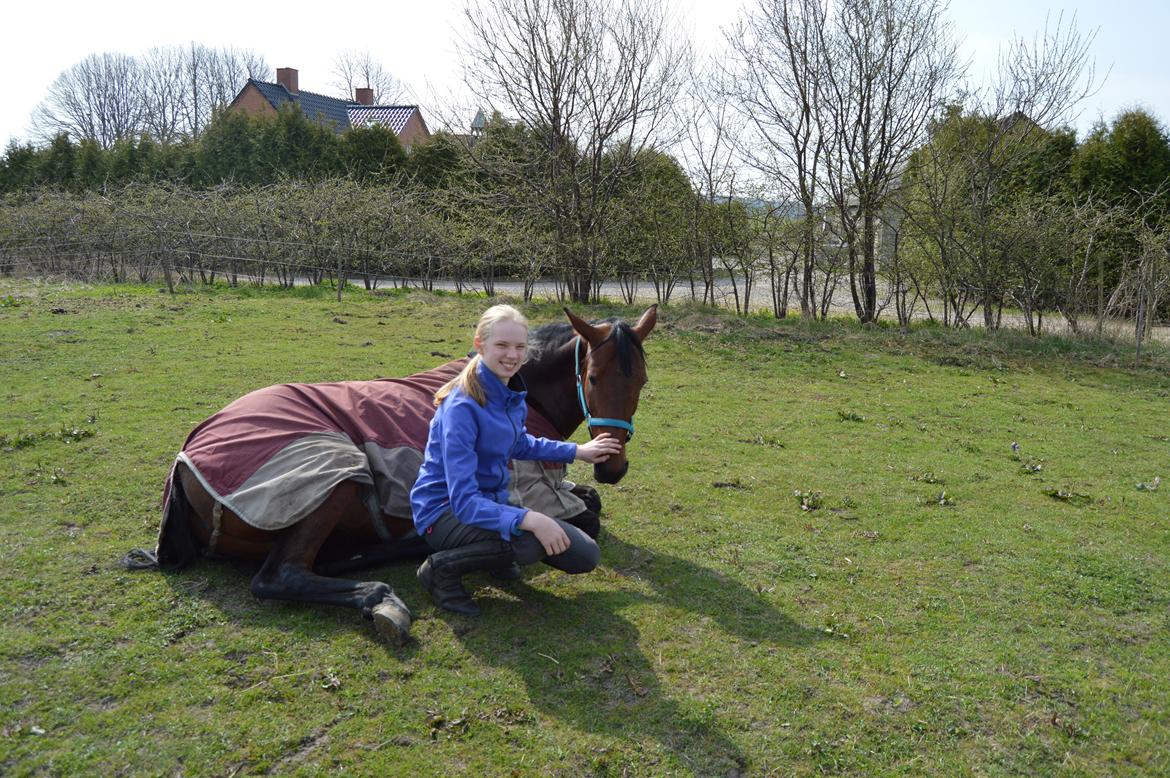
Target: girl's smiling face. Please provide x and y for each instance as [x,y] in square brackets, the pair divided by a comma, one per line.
[505,349]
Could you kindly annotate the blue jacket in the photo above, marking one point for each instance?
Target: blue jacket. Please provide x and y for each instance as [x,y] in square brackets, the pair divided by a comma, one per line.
[465,465]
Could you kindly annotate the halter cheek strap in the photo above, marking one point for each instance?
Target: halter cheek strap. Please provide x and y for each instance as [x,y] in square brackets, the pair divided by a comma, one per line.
[590,421]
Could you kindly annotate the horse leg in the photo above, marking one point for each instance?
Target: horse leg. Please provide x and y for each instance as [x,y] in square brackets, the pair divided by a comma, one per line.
[287,572]
[342,557]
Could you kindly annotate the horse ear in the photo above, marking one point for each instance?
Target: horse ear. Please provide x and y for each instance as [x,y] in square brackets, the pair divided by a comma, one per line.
[646,322]
[592,335]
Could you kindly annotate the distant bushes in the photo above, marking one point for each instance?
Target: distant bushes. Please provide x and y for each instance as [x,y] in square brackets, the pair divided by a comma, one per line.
[234,148]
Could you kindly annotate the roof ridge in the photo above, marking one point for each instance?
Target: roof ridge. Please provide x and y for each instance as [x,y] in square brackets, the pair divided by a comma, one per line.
[301,92]
[325,97]
[270,83]
[348,102]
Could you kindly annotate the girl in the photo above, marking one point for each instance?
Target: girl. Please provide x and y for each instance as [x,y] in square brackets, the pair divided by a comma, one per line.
[460,500]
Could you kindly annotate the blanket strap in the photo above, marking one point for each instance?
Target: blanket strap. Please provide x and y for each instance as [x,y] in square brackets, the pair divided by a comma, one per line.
[377,518]
[216,521]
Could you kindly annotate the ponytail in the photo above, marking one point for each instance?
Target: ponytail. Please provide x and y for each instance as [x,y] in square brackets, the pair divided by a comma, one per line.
[467,380]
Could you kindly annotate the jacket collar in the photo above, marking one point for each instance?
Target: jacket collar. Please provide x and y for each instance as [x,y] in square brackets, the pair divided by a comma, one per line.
[494,388]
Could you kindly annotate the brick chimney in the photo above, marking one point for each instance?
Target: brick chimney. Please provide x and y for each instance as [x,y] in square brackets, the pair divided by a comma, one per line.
[363,95]
[287,77]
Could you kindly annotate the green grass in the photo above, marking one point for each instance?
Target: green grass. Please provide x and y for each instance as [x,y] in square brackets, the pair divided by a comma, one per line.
[826,558]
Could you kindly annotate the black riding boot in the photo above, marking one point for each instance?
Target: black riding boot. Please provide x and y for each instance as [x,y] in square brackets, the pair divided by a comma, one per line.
[588,522]
[442,572]
[508,573]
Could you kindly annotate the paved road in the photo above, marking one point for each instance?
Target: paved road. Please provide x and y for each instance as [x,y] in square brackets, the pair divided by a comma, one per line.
[761,301]
[1054,324]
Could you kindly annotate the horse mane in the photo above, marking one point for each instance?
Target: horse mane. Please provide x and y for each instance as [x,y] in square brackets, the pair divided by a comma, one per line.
[547,338]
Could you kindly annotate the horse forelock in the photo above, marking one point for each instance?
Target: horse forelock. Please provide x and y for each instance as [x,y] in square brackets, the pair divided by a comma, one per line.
[626,343]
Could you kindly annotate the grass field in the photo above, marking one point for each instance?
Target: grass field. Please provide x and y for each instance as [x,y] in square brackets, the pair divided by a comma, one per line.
[826,558]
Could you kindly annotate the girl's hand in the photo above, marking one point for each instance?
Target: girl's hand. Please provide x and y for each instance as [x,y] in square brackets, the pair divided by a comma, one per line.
[547,531]
[599,449]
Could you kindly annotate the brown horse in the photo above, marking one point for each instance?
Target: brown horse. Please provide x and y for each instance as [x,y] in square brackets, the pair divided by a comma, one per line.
[313,479]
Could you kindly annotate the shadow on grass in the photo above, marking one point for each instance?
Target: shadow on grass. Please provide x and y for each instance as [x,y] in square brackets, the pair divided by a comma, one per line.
[585,664]
[224,584]
[681,583]
[582,661]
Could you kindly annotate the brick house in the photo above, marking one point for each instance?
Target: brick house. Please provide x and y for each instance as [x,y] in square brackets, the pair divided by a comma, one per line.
[259,98]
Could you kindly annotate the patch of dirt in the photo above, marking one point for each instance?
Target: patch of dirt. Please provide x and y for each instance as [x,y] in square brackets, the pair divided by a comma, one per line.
[508,716]
[239,657]
[104,704]
[308,744]
[896,703]
[32,661]
[402,741]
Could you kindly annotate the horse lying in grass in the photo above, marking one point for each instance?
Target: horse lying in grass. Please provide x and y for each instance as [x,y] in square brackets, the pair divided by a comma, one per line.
[314,480]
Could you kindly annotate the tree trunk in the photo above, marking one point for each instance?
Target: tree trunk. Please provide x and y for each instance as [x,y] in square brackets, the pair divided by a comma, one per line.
[868,270]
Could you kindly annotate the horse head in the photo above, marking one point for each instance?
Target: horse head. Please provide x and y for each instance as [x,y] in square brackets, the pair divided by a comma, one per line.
[611,371]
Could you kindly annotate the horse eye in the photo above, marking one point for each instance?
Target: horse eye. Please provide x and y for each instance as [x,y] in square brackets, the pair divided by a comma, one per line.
[592,381]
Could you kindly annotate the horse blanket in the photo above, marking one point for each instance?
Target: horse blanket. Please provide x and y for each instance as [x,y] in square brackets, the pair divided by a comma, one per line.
[274,455]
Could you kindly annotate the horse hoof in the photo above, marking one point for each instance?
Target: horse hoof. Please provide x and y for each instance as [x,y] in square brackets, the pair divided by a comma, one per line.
[392,620]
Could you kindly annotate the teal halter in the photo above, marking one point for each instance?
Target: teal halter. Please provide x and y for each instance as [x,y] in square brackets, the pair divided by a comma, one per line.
[628,426]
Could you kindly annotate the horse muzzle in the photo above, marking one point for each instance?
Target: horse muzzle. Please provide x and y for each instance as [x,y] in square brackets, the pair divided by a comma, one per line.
[611,470]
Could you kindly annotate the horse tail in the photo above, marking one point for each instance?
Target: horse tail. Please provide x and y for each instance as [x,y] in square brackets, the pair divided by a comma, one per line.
[176,543]
[176,540]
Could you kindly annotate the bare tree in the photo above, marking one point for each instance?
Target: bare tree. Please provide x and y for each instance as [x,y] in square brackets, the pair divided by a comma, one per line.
[1150,284]
[353,69]
[164,78]
[184,85]
[782,238]
[711,136]
[1038,86]
[777,79]
[890,65]
[98,98]
[592,80]
[1092,226]
[1144,283]
[170,93]
[213,78]
[932,205]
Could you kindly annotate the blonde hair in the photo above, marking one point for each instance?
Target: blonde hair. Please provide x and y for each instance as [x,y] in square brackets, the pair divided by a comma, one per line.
[468,378]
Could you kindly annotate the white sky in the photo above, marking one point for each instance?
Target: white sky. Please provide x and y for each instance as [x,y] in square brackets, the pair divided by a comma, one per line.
[416,42]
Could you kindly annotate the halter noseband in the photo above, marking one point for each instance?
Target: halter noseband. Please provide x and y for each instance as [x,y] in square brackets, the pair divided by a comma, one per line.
[628,426]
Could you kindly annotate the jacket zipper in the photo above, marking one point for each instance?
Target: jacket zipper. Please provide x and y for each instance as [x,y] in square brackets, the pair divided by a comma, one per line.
[515,438]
